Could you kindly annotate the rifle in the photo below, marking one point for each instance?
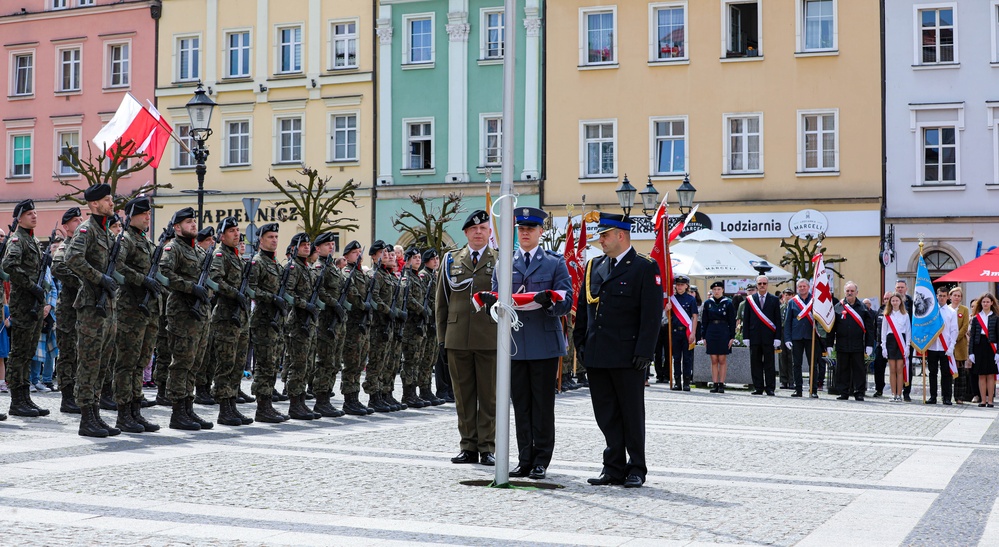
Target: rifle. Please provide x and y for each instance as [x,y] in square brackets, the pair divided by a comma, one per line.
[426,308]
[282,294]
[111,271]
[245,290]
[46,263]
[403,314]
[205,281]
[342,302]
[369,306]
[3,249]
[154,272]
[393,314]
[317,304]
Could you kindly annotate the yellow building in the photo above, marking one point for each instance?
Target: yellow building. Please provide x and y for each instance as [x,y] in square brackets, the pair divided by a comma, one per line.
[771,106]
[293,83]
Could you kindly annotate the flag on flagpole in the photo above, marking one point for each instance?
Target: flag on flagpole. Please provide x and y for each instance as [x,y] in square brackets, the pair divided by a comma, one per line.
[493,233]
[572,261]
[676,230]
[156,142]
[927,323]
[660,249]
[131,122]
[822,302]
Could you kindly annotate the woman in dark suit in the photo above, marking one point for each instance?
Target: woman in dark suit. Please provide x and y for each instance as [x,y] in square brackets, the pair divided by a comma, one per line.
[984,338]
[718,332]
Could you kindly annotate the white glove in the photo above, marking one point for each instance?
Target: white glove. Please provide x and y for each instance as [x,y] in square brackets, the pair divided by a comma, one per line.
[972,358]
[868,351]
[997,359]
[776,344]
[788,345]
[950,352]
[884,352]
[746,342]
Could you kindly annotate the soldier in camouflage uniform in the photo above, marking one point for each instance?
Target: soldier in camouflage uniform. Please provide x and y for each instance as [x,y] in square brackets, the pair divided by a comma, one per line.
[414,329]
[429,352]
[136,326]
[356,342]
[392,363]
[328,342]
[265,280]
[385,283]
[163,355]
[300,328]
[230,328]
[182,266]
[66,313]
[88,258]
[22,263]
[204,365]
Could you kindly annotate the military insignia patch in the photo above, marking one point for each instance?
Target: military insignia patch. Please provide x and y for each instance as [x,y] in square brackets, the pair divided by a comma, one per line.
[659,281]
[83,230]
[167,248]
[14,239]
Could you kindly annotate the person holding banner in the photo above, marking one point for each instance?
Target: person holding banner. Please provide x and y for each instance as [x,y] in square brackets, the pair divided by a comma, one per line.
[799,327]
[853,337]
[762,328]
[940,354]
[895,335]
[718,331]
[983,355]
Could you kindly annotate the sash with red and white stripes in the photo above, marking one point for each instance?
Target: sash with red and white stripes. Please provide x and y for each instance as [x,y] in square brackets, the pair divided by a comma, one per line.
[952,363]
[759,314]
[856,317]
[898,340]
[806,309]
[680,313]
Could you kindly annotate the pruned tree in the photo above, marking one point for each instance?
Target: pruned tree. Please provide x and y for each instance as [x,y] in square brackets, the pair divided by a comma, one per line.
[317,202]
[798,256]
[552,238]
[428,227]
[108,167]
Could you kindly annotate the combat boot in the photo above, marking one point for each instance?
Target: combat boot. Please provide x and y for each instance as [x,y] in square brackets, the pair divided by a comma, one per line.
[265,411]
[27,399]
[88,425]
[107,399]
[145,403]
[427,394]
[391,401]
[245,398]
[179,419]
[227,408]
[139,419]
[68,405]
[324,407]
[112,431]
[126,422]
[377,403]
[352,406]
[17,405]
[246,420]
[297,409]
[409,396]
[203,396]
[189,405]
[161,396]
[280,396]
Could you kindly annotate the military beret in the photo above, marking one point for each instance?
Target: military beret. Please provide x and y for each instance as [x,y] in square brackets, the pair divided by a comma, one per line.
[299,238]
[206,233]
[97,192]
[410,253]
[182,215]
[23,207]
[352,246]
[530,216]
[719,284]
[270,227]
[227,222]
[378,245]
[476,218]
[112,220]
[70,214]
[429,254]
[325,237]
[136,206]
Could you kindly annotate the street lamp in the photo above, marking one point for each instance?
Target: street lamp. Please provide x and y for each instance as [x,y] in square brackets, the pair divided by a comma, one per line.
[626,196]
[650,198]
[199,108]
[686,193]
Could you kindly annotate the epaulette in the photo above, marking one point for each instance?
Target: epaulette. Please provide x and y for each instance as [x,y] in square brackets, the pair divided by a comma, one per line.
[553,253]
[646,257]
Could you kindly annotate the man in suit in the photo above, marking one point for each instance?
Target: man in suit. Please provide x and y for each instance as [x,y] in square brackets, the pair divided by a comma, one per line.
[469,339]
[799,326]
[853,337]
[537,345]
[617,319]
[762,331]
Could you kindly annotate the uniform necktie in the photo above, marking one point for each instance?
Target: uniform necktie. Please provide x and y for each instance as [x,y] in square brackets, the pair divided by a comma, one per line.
[475,258]
[527,259]
[613,263]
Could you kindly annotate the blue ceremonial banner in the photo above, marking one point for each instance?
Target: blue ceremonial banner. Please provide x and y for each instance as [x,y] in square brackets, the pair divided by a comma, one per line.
[927,323]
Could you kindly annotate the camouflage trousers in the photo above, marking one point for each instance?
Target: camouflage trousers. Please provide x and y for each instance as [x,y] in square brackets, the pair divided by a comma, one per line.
[136,336]
[380,340]
[163,354]
[392,365]
[267,349]
[204,365]
[67,362]
[355,353]
[425,372]
[186,336]
[414,353]
[299,357]
[24,335]
[230,344]
[95,336]
[328,347]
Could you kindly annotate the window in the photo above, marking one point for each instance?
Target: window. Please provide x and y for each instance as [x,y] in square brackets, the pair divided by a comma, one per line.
[669,32]
[669,142]
[60,4]
[237,54]
[67,143]
[743,29]
[744,144]
[344,44]
[940,155]
[419,39]
[598,149]
[289,140]
[938,36]
[344,137]
[237,139]
[819,141]
[69,69]
[118,65]
[491,147]
[188,58]
[24,74]
[419,154]
[939,261]
[598,36]
[185,159]
[493,33]
[83,3]
[819,25]
[289,50]
[20,148]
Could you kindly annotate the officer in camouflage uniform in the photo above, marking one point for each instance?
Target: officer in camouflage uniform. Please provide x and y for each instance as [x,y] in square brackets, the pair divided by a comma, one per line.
[163,355]
[88,257]
[356,341]
[300,328]
[429,352]
[266,332]
[204,365]
[136,327]
[384,286]
[328,343]
[22,262]
[230,327]
[66,313]
[413,331]
[392,362]
[182,266]
[106,395]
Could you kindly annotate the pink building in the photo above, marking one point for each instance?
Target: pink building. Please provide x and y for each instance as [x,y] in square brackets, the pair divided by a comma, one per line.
[67,65]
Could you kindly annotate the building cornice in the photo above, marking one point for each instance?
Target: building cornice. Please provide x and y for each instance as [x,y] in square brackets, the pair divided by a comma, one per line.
[122,5]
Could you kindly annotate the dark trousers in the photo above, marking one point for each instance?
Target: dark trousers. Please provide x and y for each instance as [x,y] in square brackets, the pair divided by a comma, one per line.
[442,376]
[661,354]
[532,390]
[683,358]
[937,360]
[908,387]
[618,397]
[786,365]
[761,363]
[880,364]
[799,348]
[851,373]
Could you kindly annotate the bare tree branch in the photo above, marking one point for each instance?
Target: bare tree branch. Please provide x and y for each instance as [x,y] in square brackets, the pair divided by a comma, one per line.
[107,168]
[428,227]
[316,202]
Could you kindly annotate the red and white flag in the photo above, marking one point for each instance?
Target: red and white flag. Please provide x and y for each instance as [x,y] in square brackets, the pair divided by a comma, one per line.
[573,260]
[158,138]
[137,128]
[522,301]
[822,302]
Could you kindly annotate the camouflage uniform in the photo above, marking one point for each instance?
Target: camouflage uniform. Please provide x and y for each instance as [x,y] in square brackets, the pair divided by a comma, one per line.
[356,342]
[300,338]
[230,330]
[65,316]
[425,371]
[22,263]
[265,278]
[329,344]
[385,285]
[163,353]
[136,329]
[414,331]
[182,266]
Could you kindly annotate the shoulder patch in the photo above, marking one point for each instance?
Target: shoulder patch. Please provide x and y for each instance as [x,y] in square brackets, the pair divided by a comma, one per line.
[14,239]
[83,230]
[253,262]
[218,254]
[167,248]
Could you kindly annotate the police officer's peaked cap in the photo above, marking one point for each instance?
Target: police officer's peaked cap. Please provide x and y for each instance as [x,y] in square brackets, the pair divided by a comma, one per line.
[269,227]
[227,222]
[378,245]
[97,192]
[136,206]
[476,218]
[530,216]
[206,233]
[352,246]
[182,215]
[610,221]
[680,278]
[325,237]
[70,214]
[23,207]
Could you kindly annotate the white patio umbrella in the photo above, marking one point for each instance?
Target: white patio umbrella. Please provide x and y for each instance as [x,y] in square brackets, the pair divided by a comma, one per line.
[707,253]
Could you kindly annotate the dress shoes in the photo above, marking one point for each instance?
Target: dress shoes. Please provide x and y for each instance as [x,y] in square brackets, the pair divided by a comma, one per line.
[633,481]
[796,394]
[538,472]
[604,480]
[487,458]
[465,456]
[676,387]
[813,395]
[931,401]
[843,397]
[770,393]
[757,392]
[859,397]
[520,471]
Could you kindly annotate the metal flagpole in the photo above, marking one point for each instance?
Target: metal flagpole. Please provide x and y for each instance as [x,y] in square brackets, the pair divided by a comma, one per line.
[504,264]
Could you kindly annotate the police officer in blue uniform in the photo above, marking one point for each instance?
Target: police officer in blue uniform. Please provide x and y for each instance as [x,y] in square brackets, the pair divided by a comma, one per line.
[683,335]
[538,344]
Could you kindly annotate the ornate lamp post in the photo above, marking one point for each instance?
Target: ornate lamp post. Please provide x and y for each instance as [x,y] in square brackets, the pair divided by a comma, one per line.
[650,198]
[200,108]
[626,196]
[686,193]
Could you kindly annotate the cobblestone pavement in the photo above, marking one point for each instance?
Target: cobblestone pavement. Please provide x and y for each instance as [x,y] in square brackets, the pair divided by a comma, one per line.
[724,469]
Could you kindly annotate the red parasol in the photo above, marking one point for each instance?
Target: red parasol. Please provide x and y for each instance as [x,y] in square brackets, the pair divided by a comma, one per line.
[983,268]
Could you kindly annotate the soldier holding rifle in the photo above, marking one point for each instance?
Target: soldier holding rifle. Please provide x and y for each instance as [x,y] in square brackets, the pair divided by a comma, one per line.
[265,282]
[333,289]
[355,345]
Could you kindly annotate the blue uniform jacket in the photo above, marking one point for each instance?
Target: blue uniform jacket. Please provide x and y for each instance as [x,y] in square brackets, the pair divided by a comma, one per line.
[541,336]
[794,328]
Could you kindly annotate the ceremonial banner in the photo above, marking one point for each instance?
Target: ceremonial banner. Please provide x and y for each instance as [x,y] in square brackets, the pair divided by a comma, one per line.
[822,302]
[927,323]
